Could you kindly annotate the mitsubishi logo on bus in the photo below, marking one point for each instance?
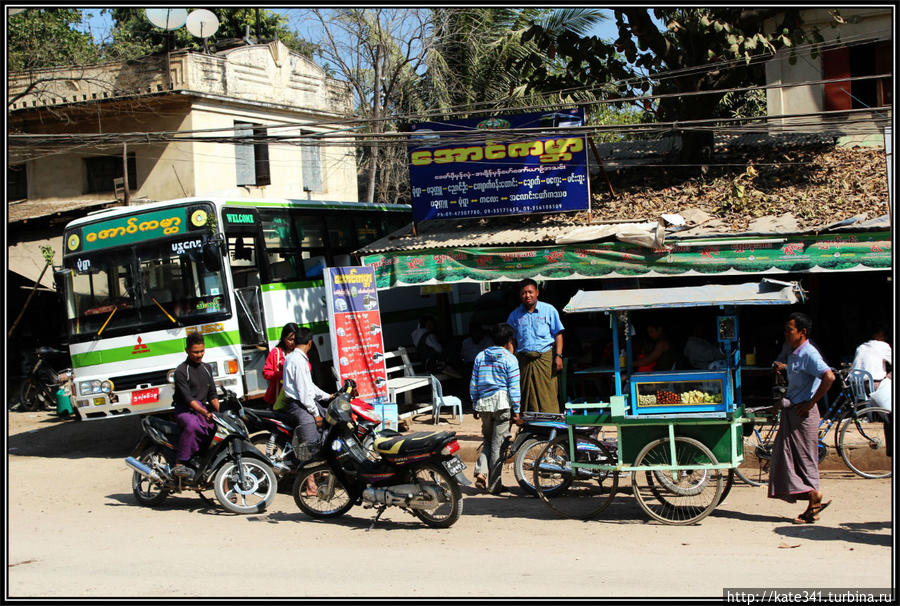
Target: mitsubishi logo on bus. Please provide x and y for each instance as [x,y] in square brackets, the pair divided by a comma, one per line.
[141,347]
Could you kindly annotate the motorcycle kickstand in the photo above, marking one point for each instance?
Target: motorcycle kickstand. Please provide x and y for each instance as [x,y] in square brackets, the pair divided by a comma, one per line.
[377,515]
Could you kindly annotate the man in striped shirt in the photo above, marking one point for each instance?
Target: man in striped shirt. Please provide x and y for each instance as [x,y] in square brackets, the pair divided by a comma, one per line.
[494,389]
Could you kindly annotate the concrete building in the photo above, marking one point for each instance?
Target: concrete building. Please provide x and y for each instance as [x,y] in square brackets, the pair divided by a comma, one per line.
[263,90]
[859,47]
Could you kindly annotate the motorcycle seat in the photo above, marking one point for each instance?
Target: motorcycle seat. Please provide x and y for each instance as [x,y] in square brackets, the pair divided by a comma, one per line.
[412,443]
[169,429]
[272,414]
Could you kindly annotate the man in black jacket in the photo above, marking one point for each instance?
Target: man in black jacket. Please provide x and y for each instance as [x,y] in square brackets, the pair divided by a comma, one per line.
[194,400]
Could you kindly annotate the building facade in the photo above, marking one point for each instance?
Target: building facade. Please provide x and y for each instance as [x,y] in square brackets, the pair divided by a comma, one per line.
[262,90]
[852,70]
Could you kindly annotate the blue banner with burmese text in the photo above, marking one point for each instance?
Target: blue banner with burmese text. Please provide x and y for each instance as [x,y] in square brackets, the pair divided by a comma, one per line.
[478,174]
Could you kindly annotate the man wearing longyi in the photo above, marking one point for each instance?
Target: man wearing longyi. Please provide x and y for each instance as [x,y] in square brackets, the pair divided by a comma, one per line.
[539,344]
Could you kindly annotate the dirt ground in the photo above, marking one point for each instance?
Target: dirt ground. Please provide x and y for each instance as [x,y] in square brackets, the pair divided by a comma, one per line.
[74,530]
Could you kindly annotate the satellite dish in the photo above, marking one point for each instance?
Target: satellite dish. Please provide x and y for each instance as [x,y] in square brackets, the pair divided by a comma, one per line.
[202,23]
[166,18]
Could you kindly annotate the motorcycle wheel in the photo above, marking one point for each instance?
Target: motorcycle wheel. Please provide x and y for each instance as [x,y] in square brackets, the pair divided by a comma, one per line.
[33,395]
[262,443]
[331,499]
[258,491]
[443,514]
[147,492]
[524,464]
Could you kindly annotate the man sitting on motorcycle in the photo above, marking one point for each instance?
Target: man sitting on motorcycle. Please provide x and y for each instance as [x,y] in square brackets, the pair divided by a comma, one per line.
[302,395]
[194,400]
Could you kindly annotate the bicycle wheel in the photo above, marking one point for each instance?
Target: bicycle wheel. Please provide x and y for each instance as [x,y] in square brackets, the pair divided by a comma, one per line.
[864,440]
[755,469]
[685,496]
[580,493]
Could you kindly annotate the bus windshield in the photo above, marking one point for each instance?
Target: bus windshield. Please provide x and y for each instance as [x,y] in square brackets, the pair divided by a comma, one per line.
[150,286]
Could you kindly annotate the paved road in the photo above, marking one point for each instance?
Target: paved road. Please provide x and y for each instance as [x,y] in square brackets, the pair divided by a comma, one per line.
[74,530]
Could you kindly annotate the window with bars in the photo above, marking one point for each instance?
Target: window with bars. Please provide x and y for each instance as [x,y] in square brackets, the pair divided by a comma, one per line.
[861,60]
[16,182]
[101,171]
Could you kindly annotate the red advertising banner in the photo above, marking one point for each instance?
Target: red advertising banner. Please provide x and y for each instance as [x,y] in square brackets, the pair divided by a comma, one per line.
[355,327]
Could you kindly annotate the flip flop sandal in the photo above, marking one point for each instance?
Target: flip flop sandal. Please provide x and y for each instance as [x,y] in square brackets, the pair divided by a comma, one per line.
[804,518]
[817,508]
[481,482]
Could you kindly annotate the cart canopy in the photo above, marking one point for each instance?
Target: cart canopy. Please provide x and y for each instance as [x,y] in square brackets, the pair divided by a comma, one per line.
[766,292]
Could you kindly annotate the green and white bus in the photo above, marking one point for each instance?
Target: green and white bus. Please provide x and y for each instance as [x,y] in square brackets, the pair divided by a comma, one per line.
[136,280]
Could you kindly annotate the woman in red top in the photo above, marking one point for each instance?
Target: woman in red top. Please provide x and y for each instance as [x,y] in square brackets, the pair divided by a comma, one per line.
[273,370]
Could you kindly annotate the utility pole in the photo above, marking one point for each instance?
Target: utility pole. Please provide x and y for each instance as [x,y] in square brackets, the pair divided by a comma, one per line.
[376,125]
[126,195]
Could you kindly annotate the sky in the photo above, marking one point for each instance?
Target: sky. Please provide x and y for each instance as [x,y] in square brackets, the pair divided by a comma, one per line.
[100,25]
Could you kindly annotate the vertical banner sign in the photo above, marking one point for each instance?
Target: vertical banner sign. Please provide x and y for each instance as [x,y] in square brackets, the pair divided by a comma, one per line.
[355,327]
[482,173]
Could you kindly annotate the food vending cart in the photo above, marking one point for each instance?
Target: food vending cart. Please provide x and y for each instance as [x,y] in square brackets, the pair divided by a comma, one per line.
[677,432]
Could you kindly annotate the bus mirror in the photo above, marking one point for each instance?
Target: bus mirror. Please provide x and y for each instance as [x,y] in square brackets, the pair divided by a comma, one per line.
[212,257]
[61,277]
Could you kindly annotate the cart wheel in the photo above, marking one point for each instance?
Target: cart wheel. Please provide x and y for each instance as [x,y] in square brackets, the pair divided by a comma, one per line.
[683,496]
[575,493]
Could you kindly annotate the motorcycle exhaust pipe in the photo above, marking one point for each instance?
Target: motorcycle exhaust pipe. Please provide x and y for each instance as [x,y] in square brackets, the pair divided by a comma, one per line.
[143,470]
[394,495]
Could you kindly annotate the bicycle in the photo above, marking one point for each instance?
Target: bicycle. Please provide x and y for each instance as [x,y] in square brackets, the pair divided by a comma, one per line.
[764,432]
[857,437]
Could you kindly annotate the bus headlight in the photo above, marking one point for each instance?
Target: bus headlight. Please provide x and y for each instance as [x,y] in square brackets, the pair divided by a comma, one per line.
[170,376]
[215,368]
[89,387]
[106,386]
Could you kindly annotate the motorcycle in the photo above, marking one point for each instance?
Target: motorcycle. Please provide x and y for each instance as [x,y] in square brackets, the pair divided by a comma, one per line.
[241,478]
[417,472]
[535,432]
[38,389]
[272,432]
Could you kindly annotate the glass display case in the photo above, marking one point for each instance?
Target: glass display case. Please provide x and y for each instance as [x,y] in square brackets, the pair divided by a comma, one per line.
[702,393]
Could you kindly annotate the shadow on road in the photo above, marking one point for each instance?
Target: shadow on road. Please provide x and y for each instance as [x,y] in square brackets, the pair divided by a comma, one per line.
[69,439]
[743,515]
[851,533]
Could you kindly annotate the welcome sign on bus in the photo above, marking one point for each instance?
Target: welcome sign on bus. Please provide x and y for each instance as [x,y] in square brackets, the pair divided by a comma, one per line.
[356,342]
[456,176]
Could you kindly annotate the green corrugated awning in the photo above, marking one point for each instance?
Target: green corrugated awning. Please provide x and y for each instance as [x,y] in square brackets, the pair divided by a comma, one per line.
[796,253]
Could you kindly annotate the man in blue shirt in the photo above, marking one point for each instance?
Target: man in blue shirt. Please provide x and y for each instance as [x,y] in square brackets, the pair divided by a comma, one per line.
[794,471]
[539,344]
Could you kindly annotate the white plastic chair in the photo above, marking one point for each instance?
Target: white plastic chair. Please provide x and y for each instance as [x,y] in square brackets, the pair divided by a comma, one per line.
[441,401]
[861,384]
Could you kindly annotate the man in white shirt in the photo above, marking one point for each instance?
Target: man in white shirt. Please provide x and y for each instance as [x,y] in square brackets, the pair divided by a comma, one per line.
[874,355]
[303,395]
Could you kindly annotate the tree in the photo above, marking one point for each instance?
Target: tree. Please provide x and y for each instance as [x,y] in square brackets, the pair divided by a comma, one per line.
[379,53]
[134,36]
[41,38]
[701,49]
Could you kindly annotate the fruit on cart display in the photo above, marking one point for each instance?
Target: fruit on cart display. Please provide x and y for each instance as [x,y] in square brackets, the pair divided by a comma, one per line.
[647,400]
[667,397]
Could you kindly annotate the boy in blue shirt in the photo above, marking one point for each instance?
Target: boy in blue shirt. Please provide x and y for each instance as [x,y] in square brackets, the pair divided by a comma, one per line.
[494,389]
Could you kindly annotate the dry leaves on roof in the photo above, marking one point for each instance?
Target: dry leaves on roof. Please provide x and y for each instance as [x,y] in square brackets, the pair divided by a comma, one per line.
[818,184]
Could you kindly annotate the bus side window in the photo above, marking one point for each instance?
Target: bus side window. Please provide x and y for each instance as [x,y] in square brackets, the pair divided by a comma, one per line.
[280,241]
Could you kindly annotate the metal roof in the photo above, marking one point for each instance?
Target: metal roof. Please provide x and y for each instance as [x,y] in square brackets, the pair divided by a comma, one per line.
[766,292]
